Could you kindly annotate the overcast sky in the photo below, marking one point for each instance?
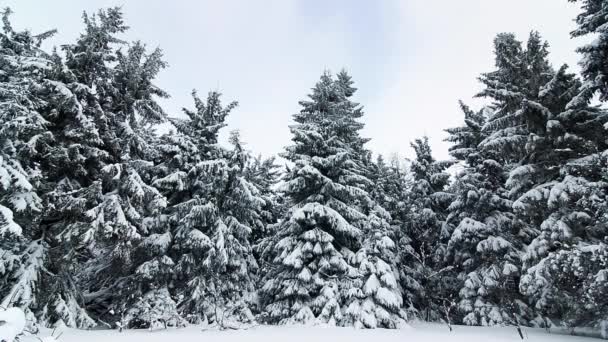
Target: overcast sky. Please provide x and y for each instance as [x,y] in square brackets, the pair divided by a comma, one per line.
[412,60]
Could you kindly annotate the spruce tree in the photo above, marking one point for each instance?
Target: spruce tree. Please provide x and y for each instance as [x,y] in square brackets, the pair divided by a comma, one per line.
[100,202]
[265,174]
[319,273]
[376,301]
[423,240]
[188,195]
[562,190]
[482,246]
[592,21]
[519,75]
[214,210]
[391,183]
[23,252]
[555,129]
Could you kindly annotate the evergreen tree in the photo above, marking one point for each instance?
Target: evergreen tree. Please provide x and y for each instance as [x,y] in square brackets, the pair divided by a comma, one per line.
[22,127]
[592,21]
[424,238]
[265,175]
[214,210]
[194,143]
[319,273]
[520,73]
[28,93]
[100,202]
[391,182]
[562,190]
[155,309]
[482,247]
[376,301]
[516,85]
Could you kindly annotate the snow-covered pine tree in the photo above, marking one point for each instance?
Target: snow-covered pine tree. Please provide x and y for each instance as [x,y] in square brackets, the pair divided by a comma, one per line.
[593,20]
[22,132]
[391,181]
[265,174]
[190,214]
[561,189]
[568,281]
[315,239]
[374,304]
[482,247]
[377,300]
[317,272]
[518,80]
[423,239]
[131,208]
[520,73]
[100,203]
[214,209]
[156,309]
[532,127]
[230,263]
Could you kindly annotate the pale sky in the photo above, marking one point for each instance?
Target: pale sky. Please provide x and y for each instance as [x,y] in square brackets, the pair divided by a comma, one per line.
[412,60]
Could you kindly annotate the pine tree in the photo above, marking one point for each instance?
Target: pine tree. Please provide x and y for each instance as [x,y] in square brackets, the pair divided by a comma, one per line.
[265,175]
[310,267]
[520,73]
[562,191]
[23,69]
[188,210]
[100,203]
[423,240]
[26,92]
[482,246]
[377,300]
[515,139]
[592,21]
[230,262]
[214,209]
[155,309]
[318,269]
[391,181]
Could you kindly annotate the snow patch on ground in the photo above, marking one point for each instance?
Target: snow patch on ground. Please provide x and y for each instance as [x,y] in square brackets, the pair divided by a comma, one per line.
[12,322]
[418,332]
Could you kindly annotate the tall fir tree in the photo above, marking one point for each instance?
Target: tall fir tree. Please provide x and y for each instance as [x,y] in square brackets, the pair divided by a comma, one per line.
[423,240]
[320,272]
[519,75]
[562,192]
[265,174]
[592,20]
[215,208]
[23,135]
[100,202]
[190,212]
[483,247]
[391,181]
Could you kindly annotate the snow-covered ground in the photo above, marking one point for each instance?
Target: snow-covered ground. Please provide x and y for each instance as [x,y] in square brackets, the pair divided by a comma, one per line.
[418,332]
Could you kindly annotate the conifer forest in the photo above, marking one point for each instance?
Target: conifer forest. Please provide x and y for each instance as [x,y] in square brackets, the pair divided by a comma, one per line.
[107,222]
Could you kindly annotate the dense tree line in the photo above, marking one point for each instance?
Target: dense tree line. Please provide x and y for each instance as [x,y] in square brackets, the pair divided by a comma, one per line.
[104,222]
